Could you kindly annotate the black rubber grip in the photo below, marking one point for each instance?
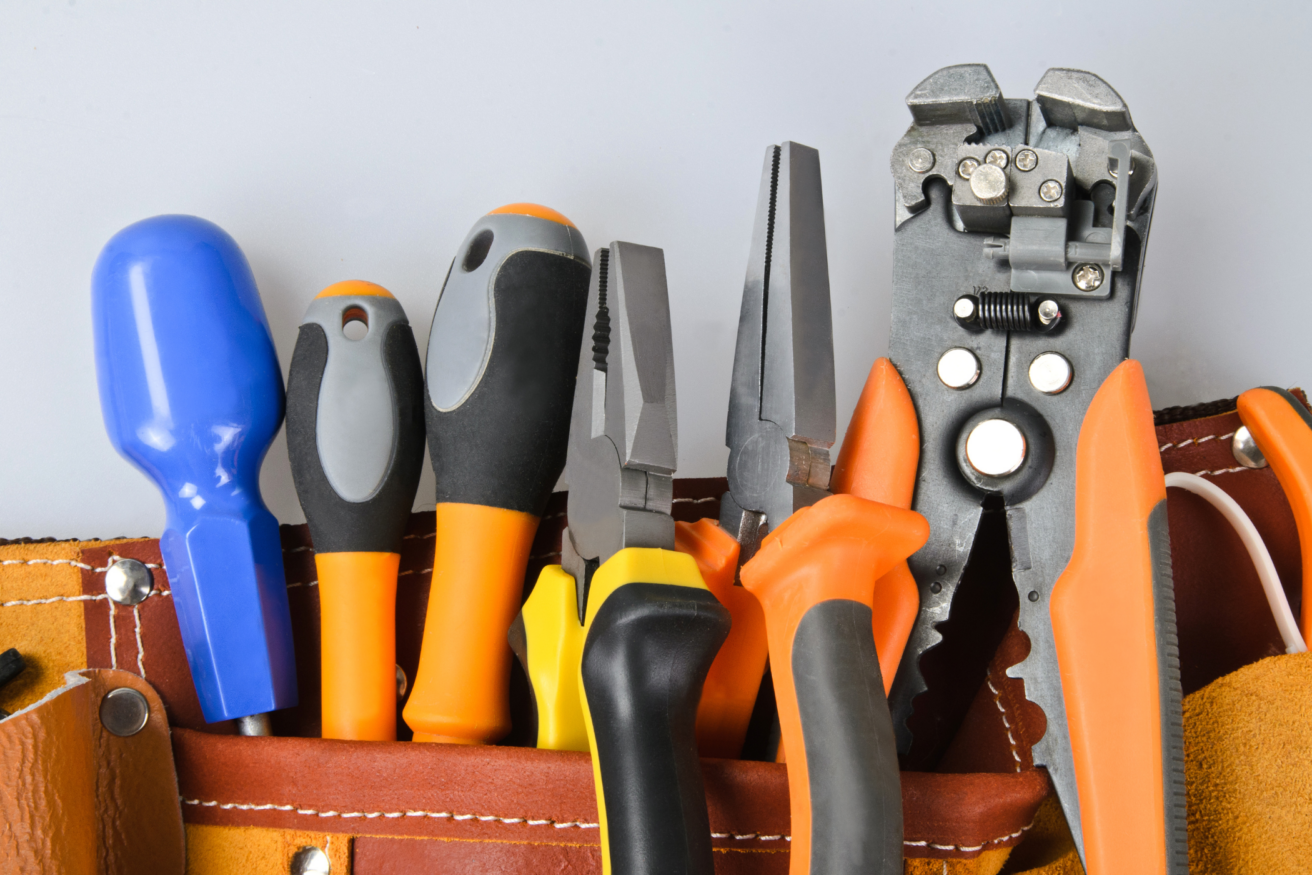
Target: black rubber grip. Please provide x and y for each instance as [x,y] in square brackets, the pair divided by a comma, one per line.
[505,445]
[11,665]
[851,752]
[644,662]
[378,524]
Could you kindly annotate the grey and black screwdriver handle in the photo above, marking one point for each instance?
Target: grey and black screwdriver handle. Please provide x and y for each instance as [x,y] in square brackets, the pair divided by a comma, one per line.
[500,384]
[355,435]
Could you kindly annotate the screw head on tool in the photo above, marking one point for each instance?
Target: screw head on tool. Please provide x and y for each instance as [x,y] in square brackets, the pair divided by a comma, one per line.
[958,368]
[310,860]
[1050,373]
[920,160]
[967,167]
[128,582]
[1026,160]
[1246,450]
[964,308]
[995,448]
[997,157]
[1051,190]
[124,712]
[989,183]
[1087,277]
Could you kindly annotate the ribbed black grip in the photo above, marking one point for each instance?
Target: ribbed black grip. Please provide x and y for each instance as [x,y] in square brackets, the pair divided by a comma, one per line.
[378,524]
[644,662]
[505,445]
[851,753]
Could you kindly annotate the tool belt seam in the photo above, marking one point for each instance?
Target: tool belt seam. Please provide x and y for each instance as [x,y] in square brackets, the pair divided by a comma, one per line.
[370,815]
[1011,739]
[1194,441]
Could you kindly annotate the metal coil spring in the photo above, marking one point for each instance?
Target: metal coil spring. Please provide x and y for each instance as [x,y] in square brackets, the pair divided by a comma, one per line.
[1008,311]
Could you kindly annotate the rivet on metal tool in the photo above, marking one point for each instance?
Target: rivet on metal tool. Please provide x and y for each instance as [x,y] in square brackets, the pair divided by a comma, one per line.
[941,569]
[989,184]
[128,582]
[964,308]
[997,157]
[1050,191]
[958,368]
[995,448]
[402,682]
[1246,450]
[967,167]
[920,160]
[124,712]
[1034,596]
[936,587]
[1050,373]
[310,860]
[1049,311]
[1087,277]
[1026,160]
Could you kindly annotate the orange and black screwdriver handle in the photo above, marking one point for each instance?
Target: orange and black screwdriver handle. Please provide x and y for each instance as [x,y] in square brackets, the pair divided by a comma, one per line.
[502,356]
[814,576]
[1282,428]
[355,435]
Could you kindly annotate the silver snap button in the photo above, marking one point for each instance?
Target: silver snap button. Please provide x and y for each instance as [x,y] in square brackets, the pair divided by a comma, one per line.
[124,712]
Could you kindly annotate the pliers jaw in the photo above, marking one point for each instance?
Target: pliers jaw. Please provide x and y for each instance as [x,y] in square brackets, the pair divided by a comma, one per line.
[781,420]
[623,439]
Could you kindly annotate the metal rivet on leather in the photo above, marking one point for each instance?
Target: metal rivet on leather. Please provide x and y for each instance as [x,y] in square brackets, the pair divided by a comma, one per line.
[1246,450]
[310,860]
[128,582]
[124,712]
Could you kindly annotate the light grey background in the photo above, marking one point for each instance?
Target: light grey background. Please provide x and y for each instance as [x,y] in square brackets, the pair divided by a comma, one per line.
[361,140]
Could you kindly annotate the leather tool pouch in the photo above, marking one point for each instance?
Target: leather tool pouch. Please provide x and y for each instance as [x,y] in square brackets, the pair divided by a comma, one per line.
[77,798]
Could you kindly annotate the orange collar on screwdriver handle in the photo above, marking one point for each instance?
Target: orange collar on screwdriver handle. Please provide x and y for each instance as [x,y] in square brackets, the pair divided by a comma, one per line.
[814,576]
[1282,428]
[502,356]
[355,435]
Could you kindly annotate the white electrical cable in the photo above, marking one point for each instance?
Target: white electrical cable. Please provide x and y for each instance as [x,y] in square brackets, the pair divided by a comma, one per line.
[1266,569]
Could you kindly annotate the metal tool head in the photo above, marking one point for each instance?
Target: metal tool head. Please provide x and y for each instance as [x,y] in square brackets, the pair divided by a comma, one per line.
[623,442]
[781,405]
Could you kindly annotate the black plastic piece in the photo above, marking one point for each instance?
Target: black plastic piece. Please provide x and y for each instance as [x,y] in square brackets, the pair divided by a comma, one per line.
[851,752]
[644,662]
[11,665]
[505,445]
[1171,696]
[338,525]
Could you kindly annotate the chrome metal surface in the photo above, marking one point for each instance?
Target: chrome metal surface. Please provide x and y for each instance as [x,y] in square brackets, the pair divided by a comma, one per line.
[310,860]
[128,581]
[1087,277]
[995,448]
[958,368]
[964,308]
[989,183]
[1246,450]
[1026,160]
[920,160]
[124,712]
[254,725]
[1050,373]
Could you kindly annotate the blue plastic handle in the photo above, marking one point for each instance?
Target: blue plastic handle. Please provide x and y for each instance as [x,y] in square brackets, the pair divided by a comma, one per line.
[192,395]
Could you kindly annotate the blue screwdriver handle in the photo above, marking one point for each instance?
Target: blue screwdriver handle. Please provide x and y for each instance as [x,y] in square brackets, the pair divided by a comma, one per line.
[192,395]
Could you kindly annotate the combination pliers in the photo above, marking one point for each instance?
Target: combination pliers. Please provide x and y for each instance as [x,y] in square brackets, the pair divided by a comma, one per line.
[622,633]
[1020,229]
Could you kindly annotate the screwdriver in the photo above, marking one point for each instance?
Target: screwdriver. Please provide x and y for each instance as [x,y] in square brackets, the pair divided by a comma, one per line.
[502,355]
[192,395]
[355,435]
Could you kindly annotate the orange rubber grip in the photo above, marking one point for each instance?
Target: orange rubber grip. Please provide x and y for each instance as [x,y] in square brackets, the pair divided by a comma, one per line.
[729,693]
[461,692]
[830,555]
[881,450]
[357,614]
[1108,638]
[1284,436]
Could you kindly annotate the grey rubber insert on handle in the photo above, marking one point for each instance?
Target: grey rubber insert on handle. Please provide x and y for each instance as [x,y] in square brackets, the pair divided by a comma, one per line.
[851,752]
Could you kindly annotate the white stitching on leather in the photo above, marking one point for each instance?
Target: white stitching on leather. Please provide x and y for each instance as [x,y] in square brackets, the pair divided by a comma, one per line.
[1234,470]
[73,562]
[997,700]
[1202,440]
[446,815]
[373,814]
[72,598]
[141,648]
[113,638]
